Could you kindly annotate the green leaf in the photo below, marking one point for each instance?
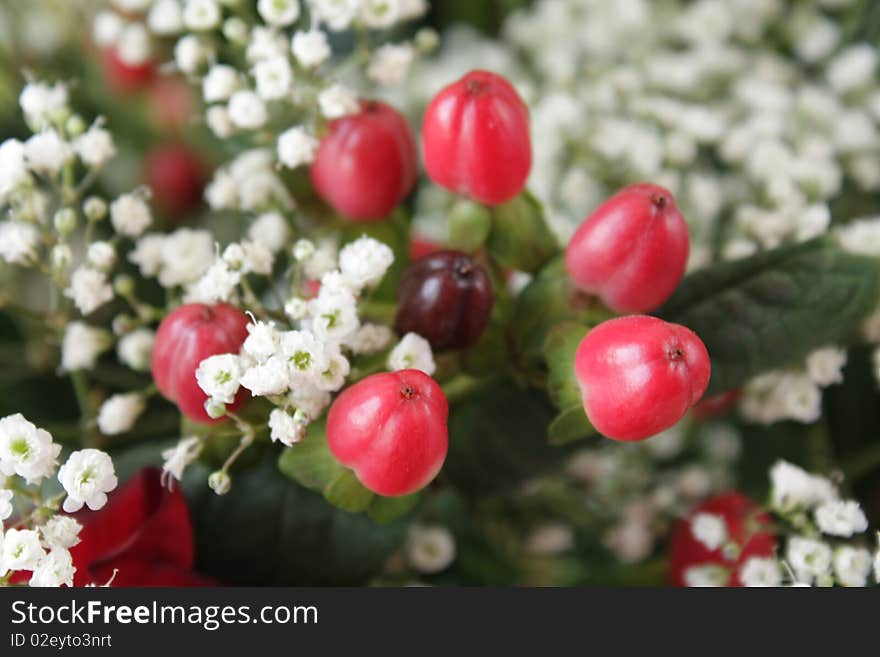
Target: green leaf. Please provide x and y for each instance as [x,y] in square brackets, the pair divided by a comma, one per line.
[570,425]
[469,225]
[386,509]
[520,237]
[270,530]
[545,302]
[559,350]
[772,309]
[497,438]
[347,493]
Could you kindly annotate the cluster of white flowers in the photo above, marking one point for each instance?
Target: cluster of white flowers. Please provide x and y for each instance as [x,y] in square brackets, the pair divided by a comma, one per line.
[794,393]
[298,368]
[40,541]
[430,548]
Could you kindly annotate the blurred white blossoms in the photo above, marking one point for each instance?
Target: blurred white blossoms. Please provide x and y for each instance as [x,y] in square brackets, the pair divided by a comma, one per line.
[336,101]
[177,458]
[87,477]
[89,289]
[119,413]
[709,529]
[760,571]
[82,345]
[841,518]
[430,549]
[135,349]
[412,352]
[130,215]
[296,147]
[794,488]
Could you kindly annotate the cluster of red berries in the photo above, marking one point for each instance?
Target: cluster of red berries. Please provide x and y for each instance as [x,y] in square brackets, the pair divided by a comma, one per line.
[638,374]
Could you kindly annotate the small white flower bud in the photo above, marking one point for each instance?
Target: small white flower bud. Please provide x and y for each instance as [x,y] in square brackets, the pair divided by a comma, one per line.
[95,208]
[124,285]
[235,30]
[75,126]
[215,409]
[220,482]
[65,221]
[303,250]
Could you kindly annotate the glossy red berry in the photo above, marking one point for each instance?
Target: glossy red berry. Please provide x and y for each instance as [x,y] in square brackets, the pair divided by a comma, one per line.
[185,338]
[716,405]
[123,78]
[639,375]
[446,297]
[475,137]
[176,175]
[367,163]
[747,528]
[632,251]
[390,428]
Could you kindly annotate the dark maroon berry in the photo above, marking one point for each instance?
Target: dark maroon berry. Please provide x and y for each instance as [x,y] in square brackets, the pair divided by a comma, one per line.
[446,297]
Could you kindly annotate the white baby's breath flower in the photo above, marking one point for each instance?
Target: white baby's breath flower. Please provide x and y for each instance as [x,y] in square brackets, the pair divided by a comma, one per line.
[130,215]
[262,341]
[220,83]
[296,147]
[370,338]
[841,518]
[265,43]
[430,548]
[852,68]
[87,476]
[709,575]
[279,13]
[40,102]
[201,15]
[101,255]
[412,352]
[219,377]
[107,26]
[218,121]
[136,348]
[271,230]
[363,263]
[274,77]
[134,46]
[18,242]
[247,110]
[266,379]
[13,167]
[852,566]
[550,539]
[257,258]
[46,152]
[761,571]
[380,14]
[95,146]
[334,315]
[177,458]
[794,488]
[89,289]
[825,365]
[61,532]
[310,400]
[310,48]
[82,345]
[217,284]
[119,413]
[808,558]
[54,570]
[26,450]
[21,550]
[165,17]
[332,377]
[336,14]
[390,64]
[6,497]
[284,428]
[305,355]
[337,101]
[709,529]
[191,54]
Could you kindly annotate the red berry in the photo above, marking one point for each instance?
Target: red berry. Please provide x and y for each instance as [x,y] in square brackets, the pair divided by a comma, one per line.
[445,297]
[176,175]
[185,338]
[390,428]
[366,164]
[172,103]
[421,246]
[126,78]
[639,375]
[632,251]
[716,405]
[747,527]
[475,137]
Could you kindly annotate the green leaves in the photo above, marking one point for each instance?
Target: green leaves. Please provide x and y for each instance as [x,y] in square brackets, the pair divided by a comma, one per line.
[469,225]
[559,350]
[770,310]
[311,463]
[270,530]
[520,237]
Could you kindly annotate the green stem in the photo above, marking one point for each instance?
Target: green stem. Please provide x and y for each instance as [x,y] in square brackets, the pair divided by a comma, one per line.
[464,385]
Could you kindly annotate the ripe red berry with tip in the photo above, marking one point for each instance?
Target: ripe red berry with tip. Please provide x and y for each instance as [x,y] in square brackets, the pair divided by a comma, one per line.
[747,527]
[390,428]
[446,297]
[366,165]
[176,175]
[124,78]
[475,137]
[632,251]
[186,337]
[639,375]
